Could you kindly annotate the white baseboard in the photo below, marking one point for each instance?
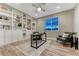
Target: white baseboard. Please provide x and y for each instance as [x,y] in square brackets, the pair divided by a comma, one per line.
[51,38]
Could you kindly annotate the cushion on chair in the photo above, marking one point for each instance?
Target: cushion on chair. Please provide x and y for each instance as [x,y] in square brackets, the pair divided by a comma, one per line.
[65,34]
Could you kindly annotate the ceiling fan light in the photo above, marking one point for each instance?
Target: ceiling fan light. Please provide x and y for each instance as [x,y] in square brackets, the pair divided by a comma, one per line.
[58,7]
[38,9]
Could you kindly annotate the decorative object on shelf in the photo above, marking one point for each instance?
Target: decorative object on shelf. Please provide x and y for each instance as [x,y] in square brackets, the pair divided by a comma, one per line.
[0,17]
[29,24]
[18,18]
[24,15]
[24,34]
[19,24]
[33,25]
[6,18]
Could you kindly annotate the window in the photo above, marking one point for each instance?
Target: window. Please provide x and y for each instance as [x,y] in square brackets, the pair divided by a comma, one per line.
[51,24]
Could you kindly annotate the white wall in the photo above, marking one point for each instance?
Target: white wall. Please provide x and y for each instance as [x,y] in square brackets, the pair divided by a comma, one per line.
[76,19]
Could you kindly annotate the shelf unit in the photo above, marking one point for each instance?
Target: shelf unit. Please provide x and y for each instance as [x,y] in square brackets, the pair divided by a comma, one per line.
[13,25]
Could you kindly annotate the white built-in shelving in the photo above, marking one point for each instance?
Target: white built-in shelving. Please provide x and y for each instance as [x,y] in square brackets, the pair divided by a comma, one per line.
[14,25]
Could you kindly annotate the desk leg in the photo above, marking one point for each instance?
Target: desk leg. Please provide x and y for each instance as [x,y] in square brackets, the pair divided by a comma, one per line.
[31,40]
[76,43]
[36,42]
[45,37]
[72,42]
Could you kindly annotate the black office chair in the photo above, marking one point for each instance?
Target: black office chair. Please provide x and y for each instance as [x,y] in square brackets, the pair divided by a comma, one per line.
[35,32]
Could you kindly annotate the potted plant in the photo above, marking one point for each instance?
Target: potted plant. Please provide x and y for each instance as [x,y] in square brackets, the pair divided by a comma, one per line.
[72,34]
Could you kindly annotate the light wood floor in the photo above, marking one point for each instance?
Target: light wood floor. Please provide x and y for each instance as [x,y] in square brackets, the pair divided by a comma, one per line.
[50,48]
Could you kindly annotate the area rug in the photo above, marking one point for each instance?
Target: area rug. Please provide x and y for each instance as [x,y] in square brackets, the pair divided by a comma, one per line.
[29,51]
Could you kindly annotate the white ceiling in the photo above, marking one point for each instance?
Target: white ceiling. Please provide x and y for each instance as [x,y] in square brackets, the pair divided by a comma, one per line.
[49,7]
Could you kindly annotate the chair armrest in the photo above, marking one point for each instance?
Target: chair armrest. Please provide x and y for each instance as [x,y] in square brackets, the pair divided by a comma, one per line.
[59,35]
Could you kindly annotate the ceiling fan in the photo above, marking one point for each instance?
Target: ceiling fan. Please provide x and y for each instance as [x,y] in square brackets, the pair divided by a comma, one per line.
[39,6]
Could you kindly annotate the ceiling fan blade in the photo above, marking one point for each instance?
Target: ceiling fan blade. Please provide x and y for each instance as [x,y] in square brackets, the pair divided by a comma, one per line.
[34,5]
[43,10]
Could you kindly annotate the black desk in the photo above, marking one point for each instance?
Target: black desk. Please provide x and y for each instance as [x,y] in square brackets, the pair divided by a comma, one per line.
[37,40]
